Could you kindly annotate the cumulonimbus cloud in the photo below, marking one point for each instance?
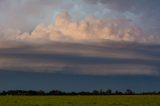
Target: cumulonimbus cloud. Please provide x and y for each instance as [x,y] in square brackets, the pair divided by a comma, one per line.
[90,46]
[90,29]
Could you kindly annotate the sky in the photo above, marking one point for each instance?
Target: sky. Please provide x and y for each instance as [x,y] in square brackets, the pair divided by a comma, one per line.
[76,45]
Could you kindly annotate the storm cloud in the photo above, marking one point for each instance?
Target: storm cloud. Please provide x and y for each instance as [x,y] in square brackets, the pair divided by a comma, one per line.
[95,37]
[82,59]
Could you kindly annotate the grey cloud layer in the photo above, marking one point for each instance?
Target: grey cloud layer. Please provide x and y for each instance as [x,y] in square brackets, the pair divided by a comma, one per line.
[83,59]
[26,14]
[144,12]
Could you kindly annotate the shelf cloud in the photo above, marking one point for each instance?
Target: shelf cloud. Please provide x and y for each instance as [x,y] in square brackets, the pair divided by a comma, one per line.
[88,59]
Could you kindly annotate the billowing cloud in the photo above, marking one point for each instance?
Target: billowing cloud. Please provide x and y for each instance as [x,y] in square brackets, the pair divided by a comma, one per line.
[90,29]
[93,29]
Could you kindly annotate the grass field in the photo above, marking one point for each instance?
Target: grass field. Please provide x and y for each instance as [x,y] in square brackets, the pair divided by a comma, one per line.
[79,100]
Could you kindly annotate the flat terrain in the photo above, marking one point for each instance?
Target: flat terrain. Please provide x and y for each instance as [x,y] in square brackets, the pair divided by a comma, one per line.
[79,100]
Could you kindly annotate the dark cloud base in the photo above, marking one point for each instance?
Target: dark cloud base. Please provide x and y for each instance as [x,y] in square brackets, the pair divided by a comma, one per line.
[103,59]
[71,82]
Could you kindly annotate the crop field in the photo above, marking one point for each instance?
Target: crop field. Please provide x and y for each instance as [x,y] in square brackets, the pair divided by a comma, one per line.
[80,100]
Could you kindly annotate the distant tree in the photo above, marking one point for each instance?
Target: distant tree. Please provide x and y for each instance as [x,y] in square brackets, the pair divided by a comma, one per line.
[40,92]
[58,92]
[31,92]
[3,93]
[73,93]
[118,92]
[55,92]
[84,93]
[129,92]
[95,92]
[109,92]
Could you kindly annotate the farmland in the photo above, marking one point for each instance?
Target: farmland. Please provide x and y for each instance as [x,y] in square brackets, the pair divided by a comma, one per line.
[125,100]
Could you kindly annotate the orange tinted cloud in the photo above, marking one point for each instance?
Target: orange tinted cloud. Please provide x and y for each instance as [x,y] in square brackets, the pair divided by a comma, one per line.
[89,29]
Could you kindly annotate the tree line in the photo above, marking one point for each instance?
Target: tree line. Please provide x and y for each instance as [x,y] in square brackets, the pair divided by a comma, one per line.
[58,92]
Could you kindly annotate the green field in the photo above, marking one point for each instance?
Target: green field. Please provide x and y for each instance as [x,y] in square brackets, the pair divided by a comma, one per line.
[79,100]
